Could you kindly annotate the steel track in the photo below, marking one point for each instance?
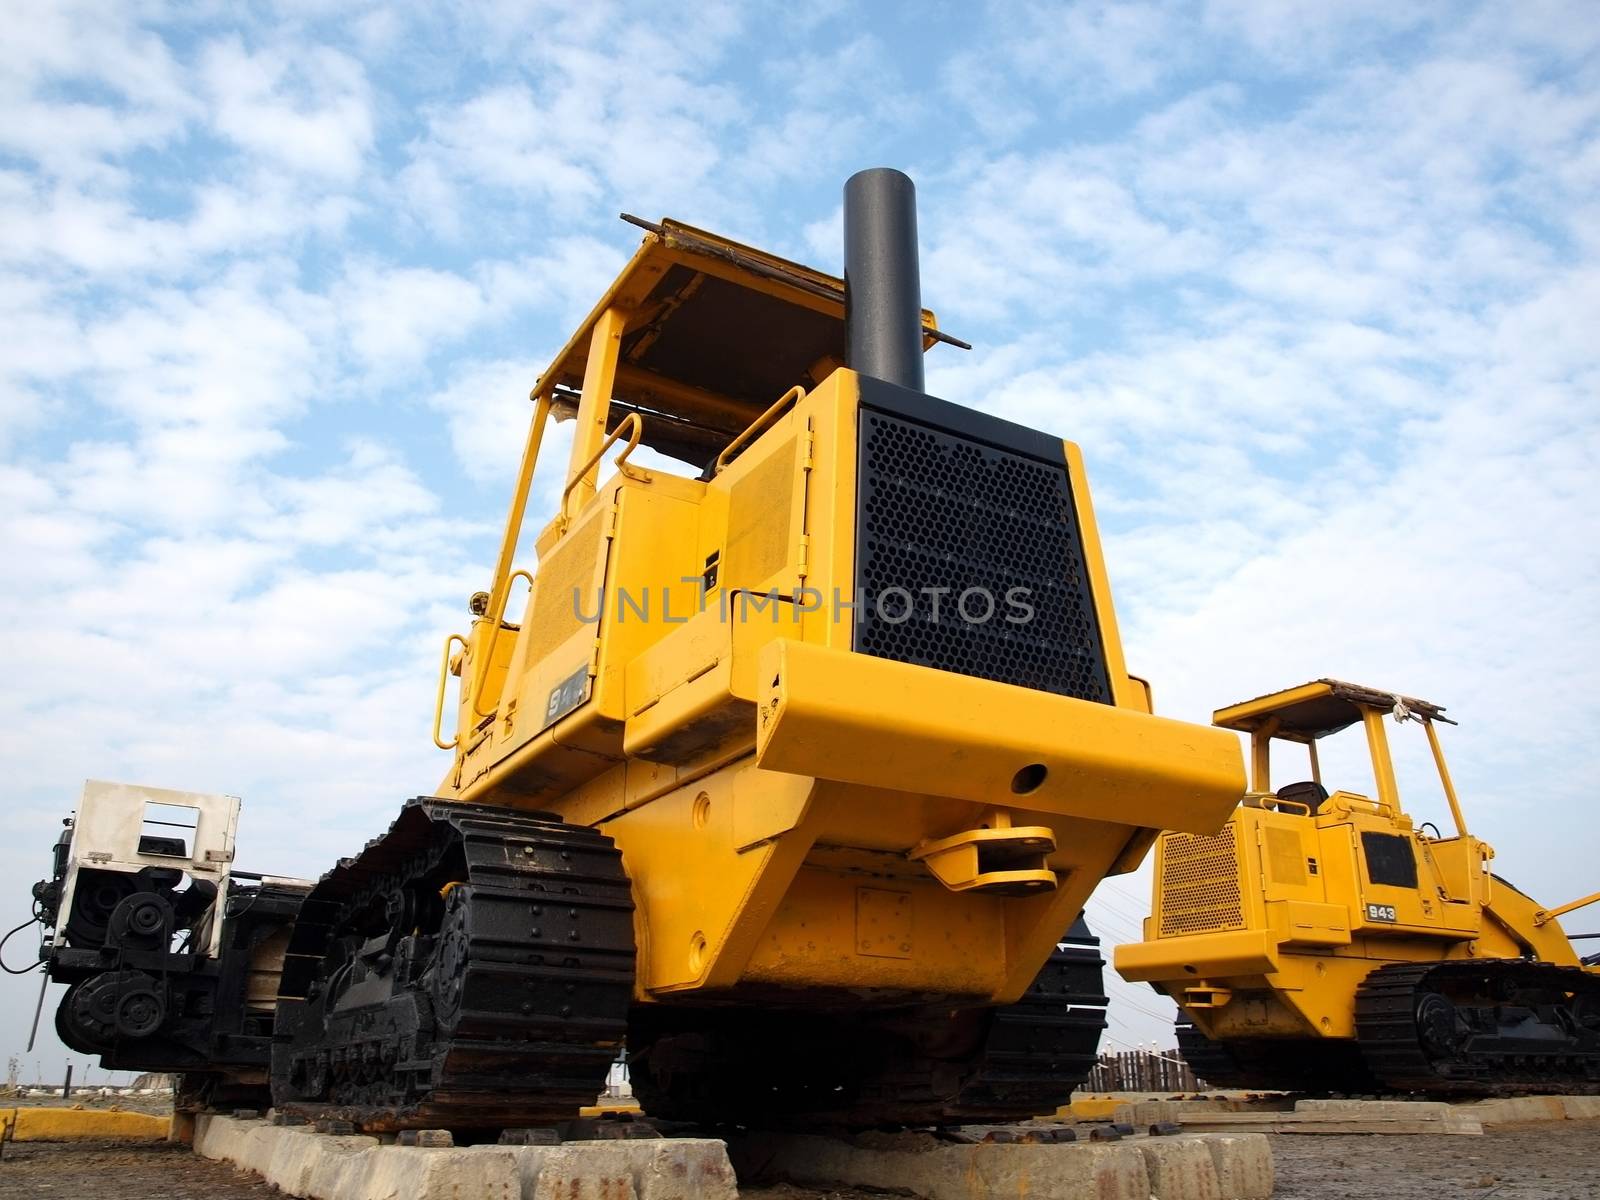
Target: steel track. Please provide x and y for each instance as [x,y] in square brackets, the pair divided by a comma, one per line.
[1520,1033]
[1274,1064]
[1540,1042]
[472,967]
[805,1069]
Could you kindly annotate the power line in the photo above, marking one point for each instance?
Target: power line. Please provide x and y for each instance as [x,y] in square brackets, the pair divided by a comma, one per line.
[1105,903]
[1137,1007]
[1108,919]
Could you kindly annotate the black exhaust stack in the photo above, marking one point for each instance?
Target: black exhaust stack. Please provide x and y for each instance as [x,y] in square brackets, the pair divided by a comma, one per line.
[882,284]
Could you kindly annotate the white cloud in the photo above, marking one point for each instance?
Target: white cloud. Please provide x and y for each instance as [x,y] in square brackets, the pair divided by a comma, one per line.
[307,110]
[487,409]
[371,492]
[1299,33]
[576,132]
[98,45]
[394,317]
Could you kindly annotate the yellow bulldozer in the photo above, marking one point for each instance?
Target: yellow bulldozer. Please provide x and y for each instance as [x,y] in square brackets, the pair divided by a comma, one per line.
[792,769]
[797,766]
[1327,942]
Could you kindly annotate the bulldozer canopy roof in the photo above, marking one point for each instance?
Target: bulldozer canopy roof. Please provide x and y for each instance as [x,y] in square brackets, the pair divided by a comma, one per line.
[716,332]
[1315,710]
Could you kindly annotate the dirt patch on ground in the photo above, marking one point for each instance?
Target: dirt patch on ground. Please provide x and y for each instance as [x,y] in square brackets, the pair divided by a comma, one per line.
[121,1171]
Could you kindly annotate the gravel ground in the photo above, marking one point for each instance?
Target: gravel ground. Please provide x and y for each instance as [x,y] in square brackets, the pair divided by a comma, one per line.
[1554,1161]
[1533,1162]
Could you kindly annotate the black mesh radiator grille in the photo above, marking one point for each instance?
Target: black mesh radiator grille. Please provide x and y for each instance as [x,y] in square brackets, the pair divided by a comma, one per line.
[937,510]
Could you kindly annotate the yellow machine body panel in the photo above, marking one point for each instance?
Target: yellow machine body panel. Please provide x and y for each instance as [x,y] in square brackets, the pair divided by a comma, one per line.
[1268,928]
[802,812]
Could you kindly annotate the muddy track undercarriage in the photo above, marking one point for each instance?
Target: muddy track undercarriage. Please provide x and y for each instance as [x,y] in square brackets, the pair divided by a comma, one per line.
[474,968]
[1484,1028]
[1481,1028]
[863,1070]
[471,968]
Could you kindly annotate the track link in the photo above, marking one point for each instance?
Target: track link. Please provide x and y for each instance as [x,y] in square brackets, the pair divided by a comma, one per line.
[1481,1027]
[1040,1049]
[472,967]
[1213,1062]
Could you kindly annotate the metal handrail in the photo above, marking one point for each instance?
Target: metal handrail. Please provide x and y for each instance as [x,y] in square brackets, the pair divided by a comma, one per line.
[633,419]
[494,636]
[756,426]
[438,703]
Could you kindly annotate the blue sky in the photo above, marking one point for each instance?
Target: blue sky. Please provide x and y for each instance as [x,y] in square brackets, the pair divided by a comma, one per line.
[1315,286]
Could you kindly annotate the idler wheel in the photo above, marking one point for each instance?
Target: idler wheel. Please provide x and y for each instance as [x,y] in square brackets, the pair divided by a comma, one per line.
[140,1013]
[1436,1024]
[450,959]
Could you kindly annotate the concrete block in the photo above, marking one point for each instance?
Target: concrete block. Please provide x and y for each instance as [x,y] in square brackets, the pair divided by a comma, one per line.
[1449,1121]
[649,1169]
[1180,1169]
[407,1173]
[182,1128]
[1269,1102]
[302,1162]
[1414,1110]
[1145,1113]
[1243,1163]
[1460,1122]
[1512,1110]
[558,1178]
[1581,1108]
[304,1166]
[431,1139]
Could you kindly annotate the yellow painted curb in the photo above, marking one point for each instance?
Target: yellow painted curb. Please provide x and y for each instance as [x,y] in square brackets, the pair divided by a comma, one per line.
[1090,1108]
[600,1110]
[79,1124]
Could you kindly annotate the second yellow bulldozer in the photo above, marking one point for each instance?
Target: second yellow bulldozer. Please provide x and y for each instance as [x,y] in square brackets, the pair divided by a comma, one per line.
[1324,941]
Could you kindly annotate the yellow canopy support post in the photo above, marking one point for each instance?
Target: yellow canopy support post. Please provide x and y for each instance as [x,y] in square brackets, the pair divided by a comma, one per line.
[599,377]
[501,587]
[1382,764]
[1444,777]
